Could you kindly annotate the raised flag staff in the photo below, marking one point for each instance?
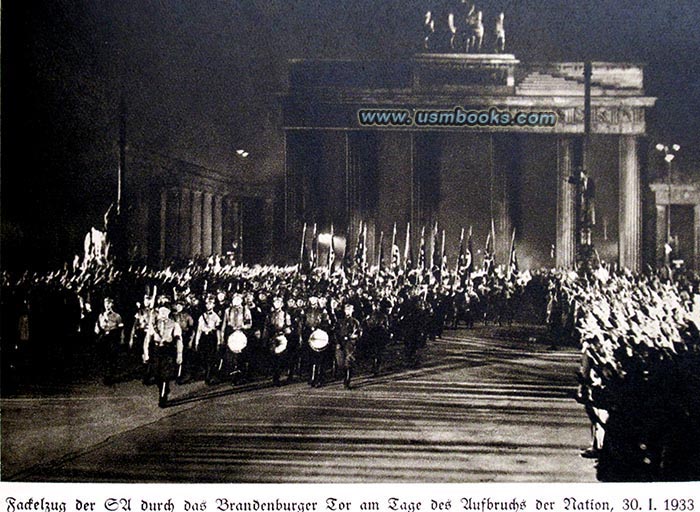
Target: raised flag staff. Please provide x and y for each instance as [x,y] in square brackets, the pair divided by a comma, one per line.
[443,256]
[408,251]
[470,254]
[302,252]
[313,254]
[433,248]
[421,251]
[512,258]
[331,252]
[488,255]
[395,253]
[461,257]
[380,252]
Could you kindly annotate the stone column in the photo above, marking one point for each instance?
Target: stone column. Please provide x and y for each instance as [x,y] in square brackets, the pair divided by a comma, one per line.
[566,211]
[163,225]
[138,227]
[503,151]
[185,223]
[661,235]
[217,231]
[172,225]
[207,224]
[267,221]
[196,223]
[352,192]
[414,207]
[696,245]
[630,210]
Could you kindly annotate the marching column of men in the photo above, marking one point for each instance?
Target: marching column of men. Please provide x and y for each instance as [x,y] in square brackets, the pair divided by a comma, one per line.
[229,341]
[238,322]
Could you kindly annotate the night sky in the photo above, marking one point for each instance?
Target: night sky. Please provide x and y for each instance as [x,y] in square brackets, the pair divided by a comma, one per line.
[200,80]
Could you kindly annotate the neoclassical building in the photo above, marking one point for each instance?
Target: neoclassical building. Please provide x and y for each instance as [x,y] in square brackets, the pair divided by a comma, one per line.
[179,210]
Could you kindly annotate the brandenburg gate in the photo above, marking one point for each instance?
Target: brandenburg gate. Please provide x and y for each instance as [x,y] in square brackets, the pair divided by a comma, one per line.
[341,171]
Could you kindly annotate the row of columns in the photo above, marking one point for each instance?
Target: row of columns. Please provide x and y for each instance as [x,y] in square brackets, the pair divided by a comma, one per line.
[629,208]
[192,223]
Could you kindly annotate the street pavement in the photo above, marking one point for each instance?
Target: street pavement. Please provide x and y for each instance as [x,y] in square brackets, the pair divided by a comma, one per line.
[485,405]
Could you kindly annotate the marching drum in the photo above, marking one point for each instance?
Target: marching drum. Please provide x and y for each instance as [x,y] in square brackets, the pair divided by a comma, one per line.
[318,340]
[279,344]
[237,342]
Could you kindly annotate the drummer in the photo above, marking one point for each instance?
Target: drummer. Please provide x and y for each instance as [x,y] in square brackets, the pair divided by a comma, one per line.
[315,320]
[236,323]
[277,327]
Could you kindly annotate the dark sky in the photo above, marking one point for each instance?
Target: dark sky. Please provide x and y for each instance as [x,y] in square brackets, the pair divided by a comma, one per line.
[200,79]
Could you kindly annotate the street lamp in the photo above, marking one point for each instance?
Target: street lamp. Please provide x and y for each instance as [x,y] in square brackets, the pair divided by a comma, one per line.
[669,152]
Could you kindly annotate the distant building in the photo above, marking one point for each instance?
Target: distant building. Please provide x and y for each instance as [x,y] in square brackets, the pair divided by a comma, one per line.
[177,210]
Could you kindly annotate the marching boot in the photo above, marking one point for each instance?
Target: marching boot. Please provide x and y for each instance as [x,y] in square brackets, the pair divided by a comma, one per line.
[375,366]
[163,399]
[312,379]
[348,376]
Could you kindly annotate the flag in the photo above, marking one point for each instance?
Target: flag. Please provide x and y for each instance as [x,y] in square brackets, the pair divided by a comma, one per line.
[488,255]
[421,251]
[358,245]
[395,258]
[513,259]
[461,258]
[331,252]
[469,264]
[395,252]
[347,255]
[380,251]
[408,250]
[361,248]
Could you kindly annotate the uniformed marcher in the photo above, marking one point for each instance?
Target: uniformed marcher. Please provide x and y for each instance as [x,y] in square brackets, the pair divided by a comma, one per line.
[294,345]
[166,352]
[315,332]
[376,333]
[277,327]
[110,339]
[145,315]
[208,339]
[186,322]
[235,328]
[347,333]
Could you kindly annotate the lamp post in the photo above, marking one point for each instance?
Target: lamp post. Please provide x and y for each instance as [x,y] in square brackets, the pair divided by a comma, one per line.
[669,152]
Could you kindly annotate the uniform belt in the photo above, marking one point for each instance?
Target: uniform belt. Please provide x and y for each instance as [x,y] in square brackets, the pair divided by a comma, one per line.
[163,344]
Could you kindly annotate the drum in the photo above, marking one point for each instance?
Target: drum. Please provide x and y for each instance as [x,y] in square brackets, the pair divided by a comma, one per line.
[318,340]
[237,342]
[279,344]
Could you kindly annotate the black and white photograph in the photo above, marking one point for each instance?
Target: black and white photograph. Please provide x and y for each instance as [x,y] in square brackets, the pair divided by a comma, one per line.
[350,241]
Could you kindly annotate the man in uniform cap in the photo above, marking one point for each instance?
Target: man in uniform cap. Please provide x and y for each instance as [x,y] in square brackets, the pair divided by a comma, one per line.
[110,338]
[277,327]
[376,333]
[237,317]
[208,339]
[316,317]
[347,332]
[166,351]
[186,323]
